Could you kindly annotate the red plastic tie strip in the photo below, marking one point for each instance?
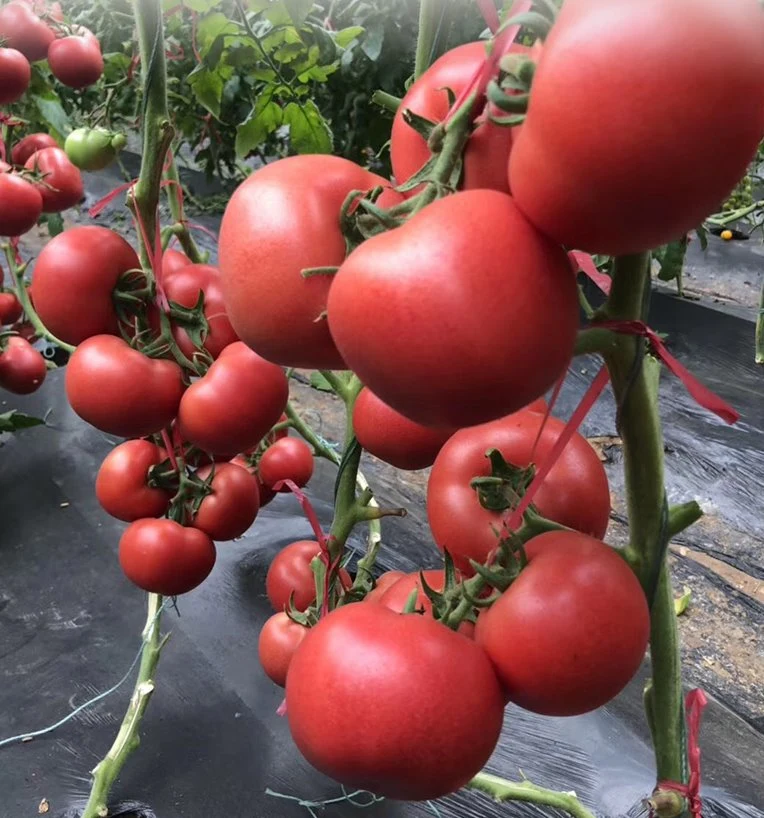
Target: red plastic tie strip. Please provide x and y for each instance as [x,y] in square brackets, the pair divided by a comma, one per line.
[585,263]
[695,704]
[490,14]
[702,394]
[549,409]
[102,204]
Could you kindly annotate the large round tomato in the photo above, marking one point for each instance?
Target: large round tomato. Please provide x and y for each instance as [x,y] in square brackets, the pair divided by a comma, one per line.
[391,437]
[388,579]
[234,405]
[287,459]
[119,390]
[163,557]
[76,61]
[22,367]
[10,309]
[29,145]
[23,30]
[61,186]
[231,509]
[279,640]
[590,181]
[15,74]
[74,278]
[575,493]
[20,205]
[291,577]
[488,149]
[474,312]
[122,485]
[437,705]
[174,260]
[570,633]
[283,219]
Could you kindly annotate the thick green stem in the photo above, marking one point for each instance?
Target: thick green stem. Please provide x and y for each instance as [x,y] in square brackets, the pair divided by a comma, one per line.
[429,16]
[760,328]
[107,770]
[387,101]
[175,199]
[501,790]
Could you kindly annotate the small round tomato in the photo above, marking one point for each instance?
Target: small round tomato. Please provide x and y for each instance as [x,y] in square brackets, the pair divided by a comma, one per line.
[74,280]
[287,459]
[273,436]
[119,390]
[234,405]
[23,30]
[164,557]
[122,485]
[437,705]
[20,205]
[15,74]
[22,367]
[29,145]
[575,493]
[570,633]
[93,148]
[391,437]
[174,260]
[290,573]
[61,186]
[231,509]
[76,61]
[10,309]
[279,640]
[387,579]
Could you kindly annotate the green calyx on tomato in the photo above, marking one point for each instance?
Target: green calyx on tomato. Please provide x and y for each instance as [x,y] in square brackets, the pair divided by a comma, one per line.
[504,486]
[93,148]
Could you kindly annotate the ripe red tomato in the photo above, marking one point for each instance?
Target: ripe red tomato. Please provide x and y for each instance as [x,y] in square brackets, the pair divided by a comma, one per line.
[51,11]
[266,494]
[122,482]
[183,286]
[234,405]
[290,573]
[23,30]
[283,219]
[570,633]
[287,459]
[590,181]
[391,437]
[575,493]
[387,579]
[10,309]
[22,367]
[20,205]
[440,352]
[163,557]
[76,61]
[15,74]
[231,509]
[174,260]
[415,671]
[279,640]
[74,278]
[119,390]
[29,145]
[61,186]
[488,149]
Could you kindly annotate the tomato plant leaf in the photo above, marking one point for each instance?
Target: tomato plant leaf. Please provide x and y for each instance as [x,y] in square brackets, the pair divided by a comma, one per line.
[264,118]
[346,36]
[54,222]
[53,114]
[371,45]
[308,130]
[208,88]
[702,235]
[683,602]
[13,421]
[319,382]
[298,10]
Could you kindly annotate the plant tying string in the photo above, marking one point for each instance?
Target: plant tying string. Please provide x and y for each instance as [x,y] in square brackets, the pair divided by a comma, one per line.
[585,263]
[490,14]
[695,703]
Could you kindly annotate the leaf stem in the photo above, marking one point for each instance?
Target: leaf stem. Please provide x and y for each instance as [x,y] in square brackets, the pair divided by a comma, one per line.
[502,790]
[175,199]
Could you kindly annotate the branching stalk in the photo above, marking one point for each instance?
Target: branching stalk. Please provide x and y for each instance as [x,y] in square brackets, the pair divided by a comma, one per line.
[502,790]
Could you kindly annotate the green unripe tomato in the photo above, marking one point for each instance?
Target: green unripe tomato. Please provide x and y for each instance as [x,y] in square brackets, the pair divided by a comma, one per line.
[93,148]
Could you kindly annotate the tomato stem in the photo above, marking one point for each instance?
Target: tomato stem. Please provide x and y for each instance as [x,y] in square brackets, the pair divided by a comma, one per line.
[430,13]
[175,199]
[501,790]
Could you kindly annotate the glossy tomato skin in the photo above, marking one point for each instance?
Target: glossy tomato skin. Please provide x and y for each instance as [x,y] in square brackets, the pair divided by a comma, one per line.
[431,688]
[453,279]
[20,205]
[290,573]
[163,557]
[174,260]
[391,437]
[287,459]
[76,61]
[571,632]
[29,145]
[22,367]
[119,390]
[645,128]
[74,278]
[575,493]
[122,482]
[23,30]
[62,186]
[283,219]
[10,309]
[278,642]
[231,509]
[234,405]
[15,74]
[388,579]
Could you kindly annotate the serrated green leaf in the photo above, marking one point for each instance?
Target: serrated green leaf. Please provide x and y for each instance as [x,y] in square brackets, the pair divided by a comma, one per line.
[212,27]
[346,36]
[51,111]
[13,421]
[308,130]
[208,88]
[264,118]
[298,10]
[54,222]
[318,381]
